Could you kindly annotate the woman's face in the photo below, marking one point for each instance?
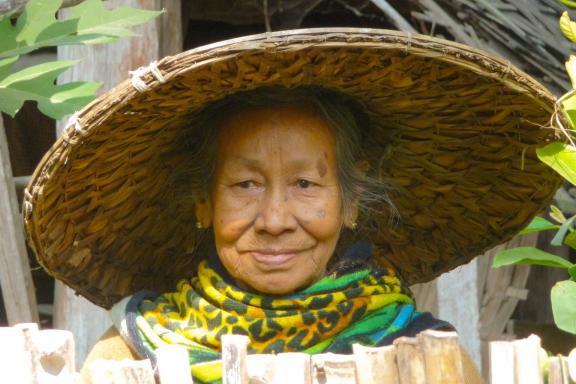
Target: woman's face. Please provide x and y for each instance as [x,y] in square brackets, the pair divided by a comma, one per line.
[275,204]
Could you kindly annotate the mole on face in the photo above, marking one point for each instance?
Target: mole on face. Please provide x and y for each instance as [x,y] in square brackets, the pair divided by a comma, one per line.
[321,167]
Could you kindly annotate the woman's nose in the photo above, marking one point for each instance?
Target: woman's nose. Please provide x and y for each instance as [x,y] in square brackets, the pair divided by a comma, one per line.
[275,216]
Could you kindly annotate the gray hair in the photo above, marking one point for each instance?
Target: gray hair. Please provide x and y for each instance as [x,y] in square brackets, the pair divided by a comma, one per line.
[345,116]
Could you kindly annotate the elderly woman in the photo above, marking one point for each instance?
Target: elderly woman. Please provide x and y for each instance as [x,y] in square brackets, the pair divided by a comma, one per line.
[288,187]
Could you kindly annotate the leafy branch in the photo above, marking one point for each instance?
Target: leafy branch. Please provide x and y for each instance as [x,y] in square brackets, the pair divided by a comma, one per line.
[37,27]
[561,157]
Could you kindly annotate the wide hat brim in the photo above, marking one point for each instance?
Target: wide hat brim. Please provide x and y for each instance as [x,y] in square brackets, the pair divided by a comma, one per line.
[458,130]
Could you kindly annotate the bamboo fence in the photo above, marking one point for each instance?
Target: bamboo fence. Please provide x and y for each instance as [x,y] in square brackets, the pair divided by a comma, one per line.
[29,355]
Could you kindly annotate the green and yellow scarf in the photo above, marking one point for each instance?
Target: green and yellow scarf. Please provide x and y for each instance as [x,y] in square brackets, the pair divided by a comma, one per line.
[362,307]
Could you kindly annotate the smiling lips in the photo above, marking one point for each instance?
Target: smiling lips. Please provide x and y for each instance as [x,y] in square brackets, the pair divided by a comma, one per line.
[274,258]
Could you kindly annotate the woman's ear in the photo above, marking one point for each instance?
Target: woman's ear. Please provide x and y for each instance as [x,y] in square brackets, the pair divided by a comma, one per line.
[351,213]
[203,212]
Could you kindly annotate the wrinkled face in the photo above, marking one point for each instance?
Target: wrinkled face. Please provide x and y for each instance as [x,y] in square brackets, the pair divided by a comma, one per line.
[275,205]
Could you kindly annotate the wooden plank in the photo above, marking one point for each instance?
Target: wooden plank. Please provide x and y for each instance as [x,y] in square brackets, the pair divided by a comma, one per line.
[15,277]
[110,64]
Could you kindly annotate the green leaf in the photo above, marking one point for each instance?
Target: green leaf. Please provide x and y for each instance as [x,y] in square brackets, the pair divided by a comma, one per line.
[571,69]
[561,157]
[570,240]
[563,298]
[37,16]
[557,214]
[38,83]
[539,224]
[572,273]
[94,18]
[559,237]
[569,3]
[568,27]
[529,256]
[6,66]
[88,23]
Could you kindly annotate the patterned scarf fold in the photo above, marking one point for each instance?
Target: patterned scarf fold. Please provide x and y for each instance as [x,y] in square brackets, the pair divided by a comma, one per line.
[362,307]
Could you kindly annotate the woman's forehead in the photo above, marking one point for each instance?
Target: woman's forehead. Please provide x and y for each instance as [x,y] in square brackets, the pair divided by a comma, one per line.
[295,136]
[276,129]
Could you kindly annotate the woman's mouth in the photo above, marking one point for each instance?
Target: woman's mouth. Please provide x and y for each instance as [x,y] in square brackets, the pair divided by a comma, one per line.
[274,258]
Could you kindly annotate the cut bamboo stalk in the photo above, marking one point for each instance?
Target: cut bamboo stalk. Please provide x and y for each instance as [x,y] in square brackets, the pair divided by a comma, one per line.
[410,361]
[14,361]
[292,368]
[556,374]
[442,357]
[572,365]
[30,333]
[502,360]
[173,365]
[375,365]
[527,360]
[260,368]
[121,372]
[333,369]
[234,359]
[55,350]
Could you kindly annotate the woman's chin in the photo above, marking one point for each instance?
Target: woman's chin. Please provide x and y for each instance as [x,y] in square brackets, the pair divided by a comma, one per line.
[272,285]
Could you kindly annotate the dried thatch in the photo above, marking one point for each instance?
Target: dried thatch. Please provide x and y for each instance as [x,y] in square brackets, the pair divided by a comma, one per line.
[525,32]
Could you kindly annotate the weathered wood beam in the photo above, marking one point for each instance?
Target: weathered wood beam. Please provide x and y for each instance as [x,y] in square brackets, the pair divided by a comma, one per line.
[15,277]
[110,64]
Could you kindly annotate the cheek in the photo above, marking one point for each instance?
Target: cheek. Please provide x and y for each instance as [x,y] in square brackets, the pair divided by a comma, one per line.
[232,216]
[322,218]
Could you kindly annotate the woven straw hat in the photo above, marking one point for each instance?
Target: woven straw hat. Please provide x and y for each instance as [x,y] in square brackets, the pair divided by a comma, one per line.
[459,127]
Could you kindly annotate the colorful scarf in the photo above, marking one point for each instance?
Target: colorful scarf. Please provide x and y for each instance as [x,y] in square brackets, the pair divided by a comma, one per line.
[363,307]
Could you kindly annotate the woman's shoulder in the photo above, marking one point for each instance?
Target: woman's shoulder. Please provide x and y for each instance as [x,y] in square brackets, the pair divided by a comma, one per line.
[111,346]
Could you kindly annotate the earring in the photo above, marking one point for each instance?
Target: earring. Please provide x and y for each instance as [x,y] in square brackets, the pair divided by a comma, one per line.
[199,225]
[354,226]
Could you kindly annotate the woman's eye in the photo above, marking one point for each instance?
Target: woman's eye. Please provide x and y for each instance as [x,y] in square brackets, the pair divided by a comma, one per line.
[304,183]
[246,184]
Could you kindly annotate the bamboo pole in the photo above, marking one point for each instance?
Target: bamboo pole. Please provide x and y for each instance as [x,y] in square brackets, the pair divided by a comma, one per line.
[374,365]
[527,360]
[334,369]
[292,368]
[442,357]
[234,359]
[173,365]
[15,363]
[121,372]
[260,368]
[572,365]
[410,360]
[502,362]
